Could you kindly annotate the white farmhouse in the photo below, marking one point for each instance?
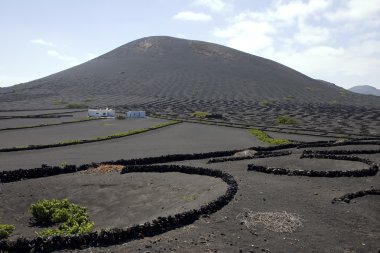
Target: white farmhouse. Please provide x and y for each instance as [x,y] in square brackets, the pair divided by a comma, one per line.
[101,113]
[136,114]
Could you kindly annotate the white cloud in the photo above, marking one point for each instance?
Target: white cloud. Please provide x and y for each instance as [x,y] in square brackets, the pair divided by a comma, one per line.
[9,80]
[364,37]
[305,36]
[71,60]
[311,35]
[214,5]
[248,36]
[253,31]
[294,10]
[357,10]
[91,56]
[192,16]
[42,42]
[344,66]
[287,13]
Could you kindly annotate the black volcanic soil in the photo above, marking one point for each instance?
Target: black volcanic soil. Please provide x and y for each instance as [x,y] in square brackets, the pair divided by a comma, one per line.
[22,122]
[4,113]
[298,137]
[326,227]
[126,199]
[312,118]
[293,162]
[77,131]
[182,138]
[122,200]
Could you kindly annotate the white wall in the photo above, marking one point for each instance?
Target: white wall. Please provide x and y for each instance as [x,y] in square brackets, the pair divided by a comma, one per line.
[98,113]
[136,114]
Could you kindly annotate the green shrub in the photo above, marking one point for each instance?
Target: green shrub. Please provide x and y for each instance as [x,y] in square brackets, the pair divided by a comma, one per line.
[76,106]
[262,136]
[59,102]
[268,102]
[288,98]
[201,115]
[72,219]
[6,231]
[343,93]
[191,197]
[286,120]
[63,164]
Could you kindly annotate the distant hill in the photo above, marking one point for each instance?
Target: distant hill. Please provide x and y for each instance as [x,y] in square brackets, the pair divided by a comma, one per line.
[169,70]
[366,89]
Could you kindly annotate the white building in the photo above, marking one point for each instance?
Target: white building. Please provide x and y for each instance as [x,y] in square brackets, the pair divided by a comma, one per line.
[101,113]
[136,114]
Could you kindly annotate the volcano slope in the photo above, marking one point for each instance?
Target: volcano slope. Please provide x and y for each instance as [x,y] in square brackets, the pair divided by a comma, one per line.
[176,77]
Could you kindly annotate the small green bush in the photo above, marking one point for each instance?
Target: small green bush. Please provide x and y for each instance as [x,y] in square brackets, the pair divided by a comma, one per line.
[73,219]
[63,164]
[191,197]
[286,120]
[343,93]
[6,231]
[262,136]
[268,102]
[76,106]
[59,102]
[201,115]
[288,98]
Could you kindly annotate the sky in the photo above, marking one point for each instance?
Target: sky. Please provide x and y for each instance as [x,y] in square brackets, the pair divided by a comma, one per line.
[333,40]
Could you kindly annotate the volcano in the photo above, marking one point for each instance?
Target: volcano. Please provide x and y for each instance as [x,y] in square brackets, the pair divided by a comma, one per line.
[169,71]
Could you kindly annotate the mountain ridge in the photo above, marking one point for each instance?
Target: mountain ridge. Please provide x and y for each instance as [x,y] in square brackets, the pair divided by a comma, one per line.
[366,90]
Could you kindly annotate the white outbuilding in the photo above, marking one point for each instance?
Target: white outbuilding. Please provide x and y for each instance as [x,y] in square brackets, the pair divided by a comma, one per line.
[136,114]
[101,113]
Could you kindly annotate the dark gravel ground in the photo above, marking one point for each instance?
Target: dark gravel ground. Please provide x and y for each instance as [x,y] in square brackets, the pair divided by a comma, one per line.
[40,112]
[76,131]
[115,199]
[182,138]
[298,137]
[22,122]
[326,227]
